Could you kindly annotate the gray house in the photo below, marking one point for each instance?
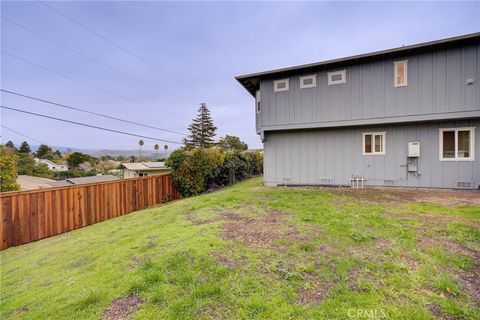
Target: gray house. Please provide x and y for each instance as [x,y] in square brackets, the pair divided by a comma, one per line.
[408,116]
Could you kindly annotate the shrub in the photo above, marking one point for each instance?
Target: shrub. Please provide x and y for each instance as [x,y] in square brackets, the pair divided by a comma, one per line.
[194,170]
[197,170]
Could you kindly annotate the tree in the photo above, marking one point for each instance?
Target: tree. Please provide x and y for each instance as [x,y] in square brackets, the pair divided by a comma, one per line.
[232,143]
[24,147]
[8,170]
[42,170]
[44,152]
[202,130]
[156,147]
[166,148]
[25,164]
[10,145]
[58,154]
[140,143]
[76,158]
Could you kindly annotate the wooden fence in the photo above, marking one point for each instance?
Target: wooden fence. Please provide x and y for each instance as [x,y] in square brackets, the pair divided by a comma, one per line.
[32,215]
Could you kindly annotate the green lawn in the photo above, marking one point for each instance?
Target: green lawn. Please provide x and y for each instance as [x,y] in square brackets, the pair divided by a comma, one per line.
[248,252]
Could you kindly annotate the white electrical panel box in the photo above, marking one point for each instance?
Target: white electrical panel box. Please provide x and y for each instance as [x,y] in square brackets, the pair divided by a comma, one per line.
[413,149]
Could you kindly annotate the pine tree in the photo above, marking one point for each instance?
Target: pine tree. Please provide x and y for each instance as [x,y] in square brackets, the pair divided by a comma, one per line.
[202,130]
[24,147]
[10,145]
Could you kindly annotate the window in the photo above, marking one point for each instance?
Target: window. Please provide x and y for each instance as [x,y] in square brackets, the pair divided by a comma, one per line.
[374,143]
[337,77]
[400,73]
[456,144]
[308,82]
[257,101]
[280,85]
[143,174]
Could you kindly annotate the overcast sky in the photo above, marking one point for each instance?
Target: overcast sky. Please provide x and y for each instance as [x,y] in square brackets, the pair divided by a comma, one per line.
[191,53]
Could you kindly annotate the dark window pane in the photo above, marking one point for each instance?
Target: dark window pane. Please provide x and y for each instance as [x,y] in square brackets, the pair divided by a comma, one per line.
[258,106]
[337,77]
[281,85]
[307,82]
[368,143]
[464,144]
[378,143]
[448,144]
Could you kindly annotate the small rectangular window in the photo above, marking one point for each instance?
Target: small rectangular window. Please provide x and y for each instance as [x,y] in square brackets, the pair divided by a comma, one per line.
[457,144]
[337,77]
[308,82]
[257,101]
[400,73]
[280,85]
[374,143]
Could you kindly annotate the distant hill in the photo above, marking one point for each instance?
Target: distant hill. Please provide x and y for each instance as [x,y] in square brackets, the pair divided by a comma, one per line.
[110,152]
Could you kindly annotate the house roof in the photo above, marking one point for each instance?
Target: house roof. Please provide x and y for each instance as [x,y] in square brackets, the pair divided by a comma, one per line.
[30,182]
[83,180]
[46,161]
[144,166]
[251,81]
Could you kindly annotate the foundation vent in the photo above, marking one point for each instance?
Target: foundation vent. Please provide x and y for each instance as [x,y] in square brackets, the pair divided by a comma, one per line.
[465,184]
[287,180]
[389,182]
[326,180]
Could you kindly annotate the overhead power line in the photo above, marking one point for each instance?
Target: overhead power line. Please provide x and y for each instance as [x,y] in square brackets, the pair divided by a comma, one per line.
[95,60]
[89,125]
[118,46]
[21,134]
[90,112]
[86,83]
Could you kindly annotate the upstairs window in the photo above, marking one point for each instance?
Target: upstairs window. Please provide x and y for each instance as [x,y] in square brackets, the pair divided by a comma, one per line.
[374,143]
[257,101]
[457,144]
[400,73]
[337,77]
[308,81]
[280,85]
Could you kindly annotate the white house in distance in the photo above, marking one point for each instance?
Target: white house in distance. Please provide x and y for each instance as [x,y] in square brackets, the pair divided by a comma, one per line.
[143,169]
[52,165]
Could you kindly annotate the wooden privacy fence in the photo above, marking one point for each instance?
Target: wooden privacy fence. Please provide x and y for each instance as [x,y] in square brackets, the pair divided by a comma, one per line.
[28,216]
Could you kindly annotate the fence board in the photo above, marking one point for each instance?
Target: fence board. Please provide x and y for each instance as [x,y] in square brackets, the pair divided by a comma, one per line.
[32,215]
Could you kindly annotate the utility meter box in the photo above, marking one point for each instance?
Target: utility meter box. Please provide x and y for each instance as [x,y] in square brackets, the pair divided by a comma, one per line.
[413,149]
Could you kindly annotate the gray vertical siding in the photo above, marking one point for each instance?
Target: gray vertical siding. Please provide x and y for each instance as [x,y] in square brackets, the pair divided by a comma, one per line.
[436,85]
[333,155]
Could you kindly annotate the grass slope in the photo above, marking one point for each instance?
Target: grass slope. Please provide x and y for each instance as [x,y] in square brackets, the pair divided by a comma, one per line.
[249,252]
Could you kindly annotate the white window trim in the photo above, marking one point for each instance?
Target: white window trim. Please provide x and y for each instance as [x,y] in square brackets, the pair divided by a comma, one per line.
[405,67]
[275,89]
[472,144]
[334,73]
[257,101]
[306,86]
[373,153]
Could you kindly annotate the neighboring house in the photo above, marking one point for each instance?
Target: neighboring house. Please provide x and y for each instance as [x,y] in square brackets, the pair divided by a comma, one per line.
[408,116]
[52,165]
[31,183]
[83,180]
[85,166]
[143,169]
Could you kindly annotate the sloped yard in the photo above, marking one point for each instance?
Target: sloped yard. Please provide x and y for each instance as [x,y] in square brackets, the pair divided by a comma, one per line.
[249,252]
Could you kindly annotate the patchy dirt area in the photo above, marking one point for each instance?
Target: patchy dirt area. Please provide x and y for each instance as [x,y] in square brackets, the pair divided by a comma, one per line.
[469,281]
[316,291]
[122,308]
[403,195]
[263,231]
[226,259]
